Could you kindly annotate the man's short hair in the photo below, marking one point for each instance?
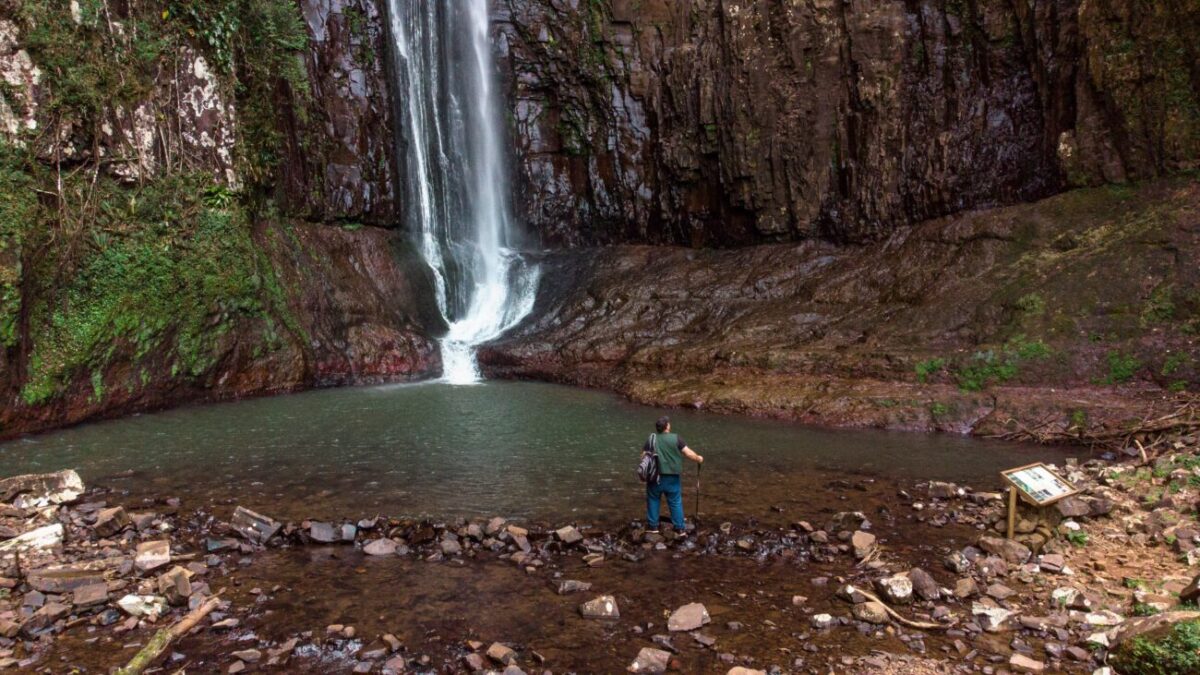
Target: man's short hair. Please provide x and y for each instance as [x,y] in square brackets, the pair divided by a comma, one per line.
[661,423]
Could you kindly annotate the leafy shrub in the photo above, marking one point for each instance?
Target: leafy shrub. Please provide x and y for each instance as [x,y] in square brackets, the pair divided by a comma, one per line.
[1121,368]
[1169,652]
[929,367]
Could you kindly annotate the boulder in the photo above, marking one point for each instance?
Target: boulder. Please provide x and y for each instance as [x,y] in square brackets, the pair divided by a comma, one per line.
[650,660]
[863,543]
[568,535]
[41,489]
[848,521]
[898,589]
[383,546]
[1010,551]
[501,654]
[688,617]
[1073,507]
[871,612]
[111,521]
[924,585]
[991,619]
[175,586]
[602,607]
[821,621]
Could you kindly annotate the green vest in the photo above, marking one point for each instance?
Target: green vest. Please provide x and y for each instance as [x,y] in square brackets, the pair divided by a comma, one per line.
[670,460]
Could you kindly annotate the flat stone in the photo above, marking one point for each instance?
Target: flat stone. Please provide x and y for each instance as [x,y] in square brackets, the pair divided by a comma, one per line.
[63,579]
[45,617]
[90,595]
[152,554]
[965,588]
[572,586]
[248,655]
[1008,550]
[1024,664]
[1000,591]
[568,535]
[739,670]
[322,533]
[1073,507]
[501,654]
[143,520]
[602,607]
[383,546]
[650,660]
[688,617]
[35,540]
[942,490]
[254,526]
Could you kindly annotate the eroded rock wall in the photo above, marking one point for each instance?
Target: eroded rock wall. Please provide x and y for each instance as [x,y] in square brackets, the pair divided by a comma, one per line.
[1083,308]
[719,122]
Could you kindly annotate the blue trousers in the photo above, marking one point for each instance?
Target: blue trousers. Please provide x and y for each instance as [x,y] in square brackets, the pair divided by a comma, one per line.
[669,486]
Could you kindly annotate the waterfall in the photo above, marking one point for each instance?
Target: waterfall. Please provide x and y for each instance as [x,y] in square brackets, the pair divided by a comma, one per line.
[450,148]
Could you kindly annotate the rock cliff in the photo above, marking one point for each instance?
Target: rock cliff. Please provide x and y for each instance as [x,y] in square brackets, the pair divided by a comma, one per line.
[191,195]
[721,122]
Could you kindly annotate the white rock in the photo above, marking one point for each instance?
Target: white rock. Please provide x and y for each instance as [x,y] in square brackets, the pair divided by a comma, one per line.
[43,537]
[821,621]
[150,606]
[991,619]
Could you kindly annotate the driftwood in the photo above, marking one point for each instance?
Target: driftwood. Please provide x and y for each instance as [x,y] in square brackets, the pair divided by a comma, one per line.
[1150,435]
[922,625]
[163,638]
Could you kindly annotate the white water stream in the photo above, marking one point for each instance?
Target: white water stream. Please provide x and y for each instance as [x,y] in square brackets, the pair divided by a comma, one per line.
[451,153]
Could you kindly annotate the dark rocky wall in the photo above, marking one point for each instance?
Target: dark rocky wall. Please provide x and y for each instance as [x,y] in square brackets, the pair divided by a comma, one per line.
[339,162]
[718,122]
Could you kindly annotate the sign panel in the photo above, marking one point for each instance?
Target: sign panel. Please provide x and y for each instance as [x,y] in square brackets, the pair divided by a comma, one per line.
[1038,484]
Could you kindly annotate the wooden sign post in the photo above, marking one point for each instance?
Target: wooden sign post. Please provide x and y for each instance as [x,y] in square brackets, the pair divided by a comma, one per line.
[1036,484]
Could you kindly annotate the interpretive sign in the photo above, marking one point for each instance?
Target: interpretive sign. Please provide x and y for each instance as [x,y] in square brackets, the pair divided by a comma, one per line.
[1039,484]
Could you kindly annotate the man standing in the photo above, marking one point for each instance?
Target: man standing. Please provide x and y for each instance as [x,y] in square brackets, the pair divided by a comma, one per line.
[671,450]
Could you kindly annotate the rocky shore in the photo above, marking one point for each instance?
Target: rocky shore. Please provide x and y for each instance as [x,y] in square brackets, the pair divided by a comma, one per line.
[921,580]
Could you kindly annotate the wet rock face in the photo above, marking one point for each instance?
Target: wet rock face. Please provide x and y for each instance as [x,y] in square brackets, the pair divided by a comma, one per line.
[703,123]
[338,157]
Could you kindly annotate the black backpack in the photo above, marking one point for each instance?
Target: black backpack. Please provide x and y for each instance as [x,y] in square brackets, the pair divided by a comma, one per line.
[648,471]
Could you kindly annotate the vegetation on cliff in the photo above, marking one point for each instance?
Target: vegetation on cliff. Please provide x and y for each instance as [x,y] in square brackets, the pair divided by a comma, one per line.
[103,264]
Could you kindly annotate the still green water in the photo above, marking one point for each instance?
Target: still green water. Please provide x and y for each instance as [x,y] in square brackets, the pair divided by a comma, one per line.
[517,449]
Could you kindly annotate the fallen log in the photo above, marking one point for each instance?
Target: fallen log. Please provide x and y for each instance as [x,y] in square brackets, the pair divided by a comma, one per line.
[163,638]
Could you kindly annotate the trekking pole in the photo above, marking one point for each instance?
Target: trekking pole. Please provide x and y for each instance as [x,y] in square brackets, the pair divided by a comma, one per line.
[696,511]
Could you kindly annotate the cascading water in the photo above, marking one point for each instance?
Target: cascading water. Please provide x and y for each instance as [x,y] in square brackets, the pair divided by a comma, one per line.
[450,150]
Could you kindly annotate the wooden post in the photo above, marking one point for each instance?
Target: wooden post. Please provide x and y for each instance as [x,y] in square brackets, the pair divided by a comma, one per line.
[1012,510]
